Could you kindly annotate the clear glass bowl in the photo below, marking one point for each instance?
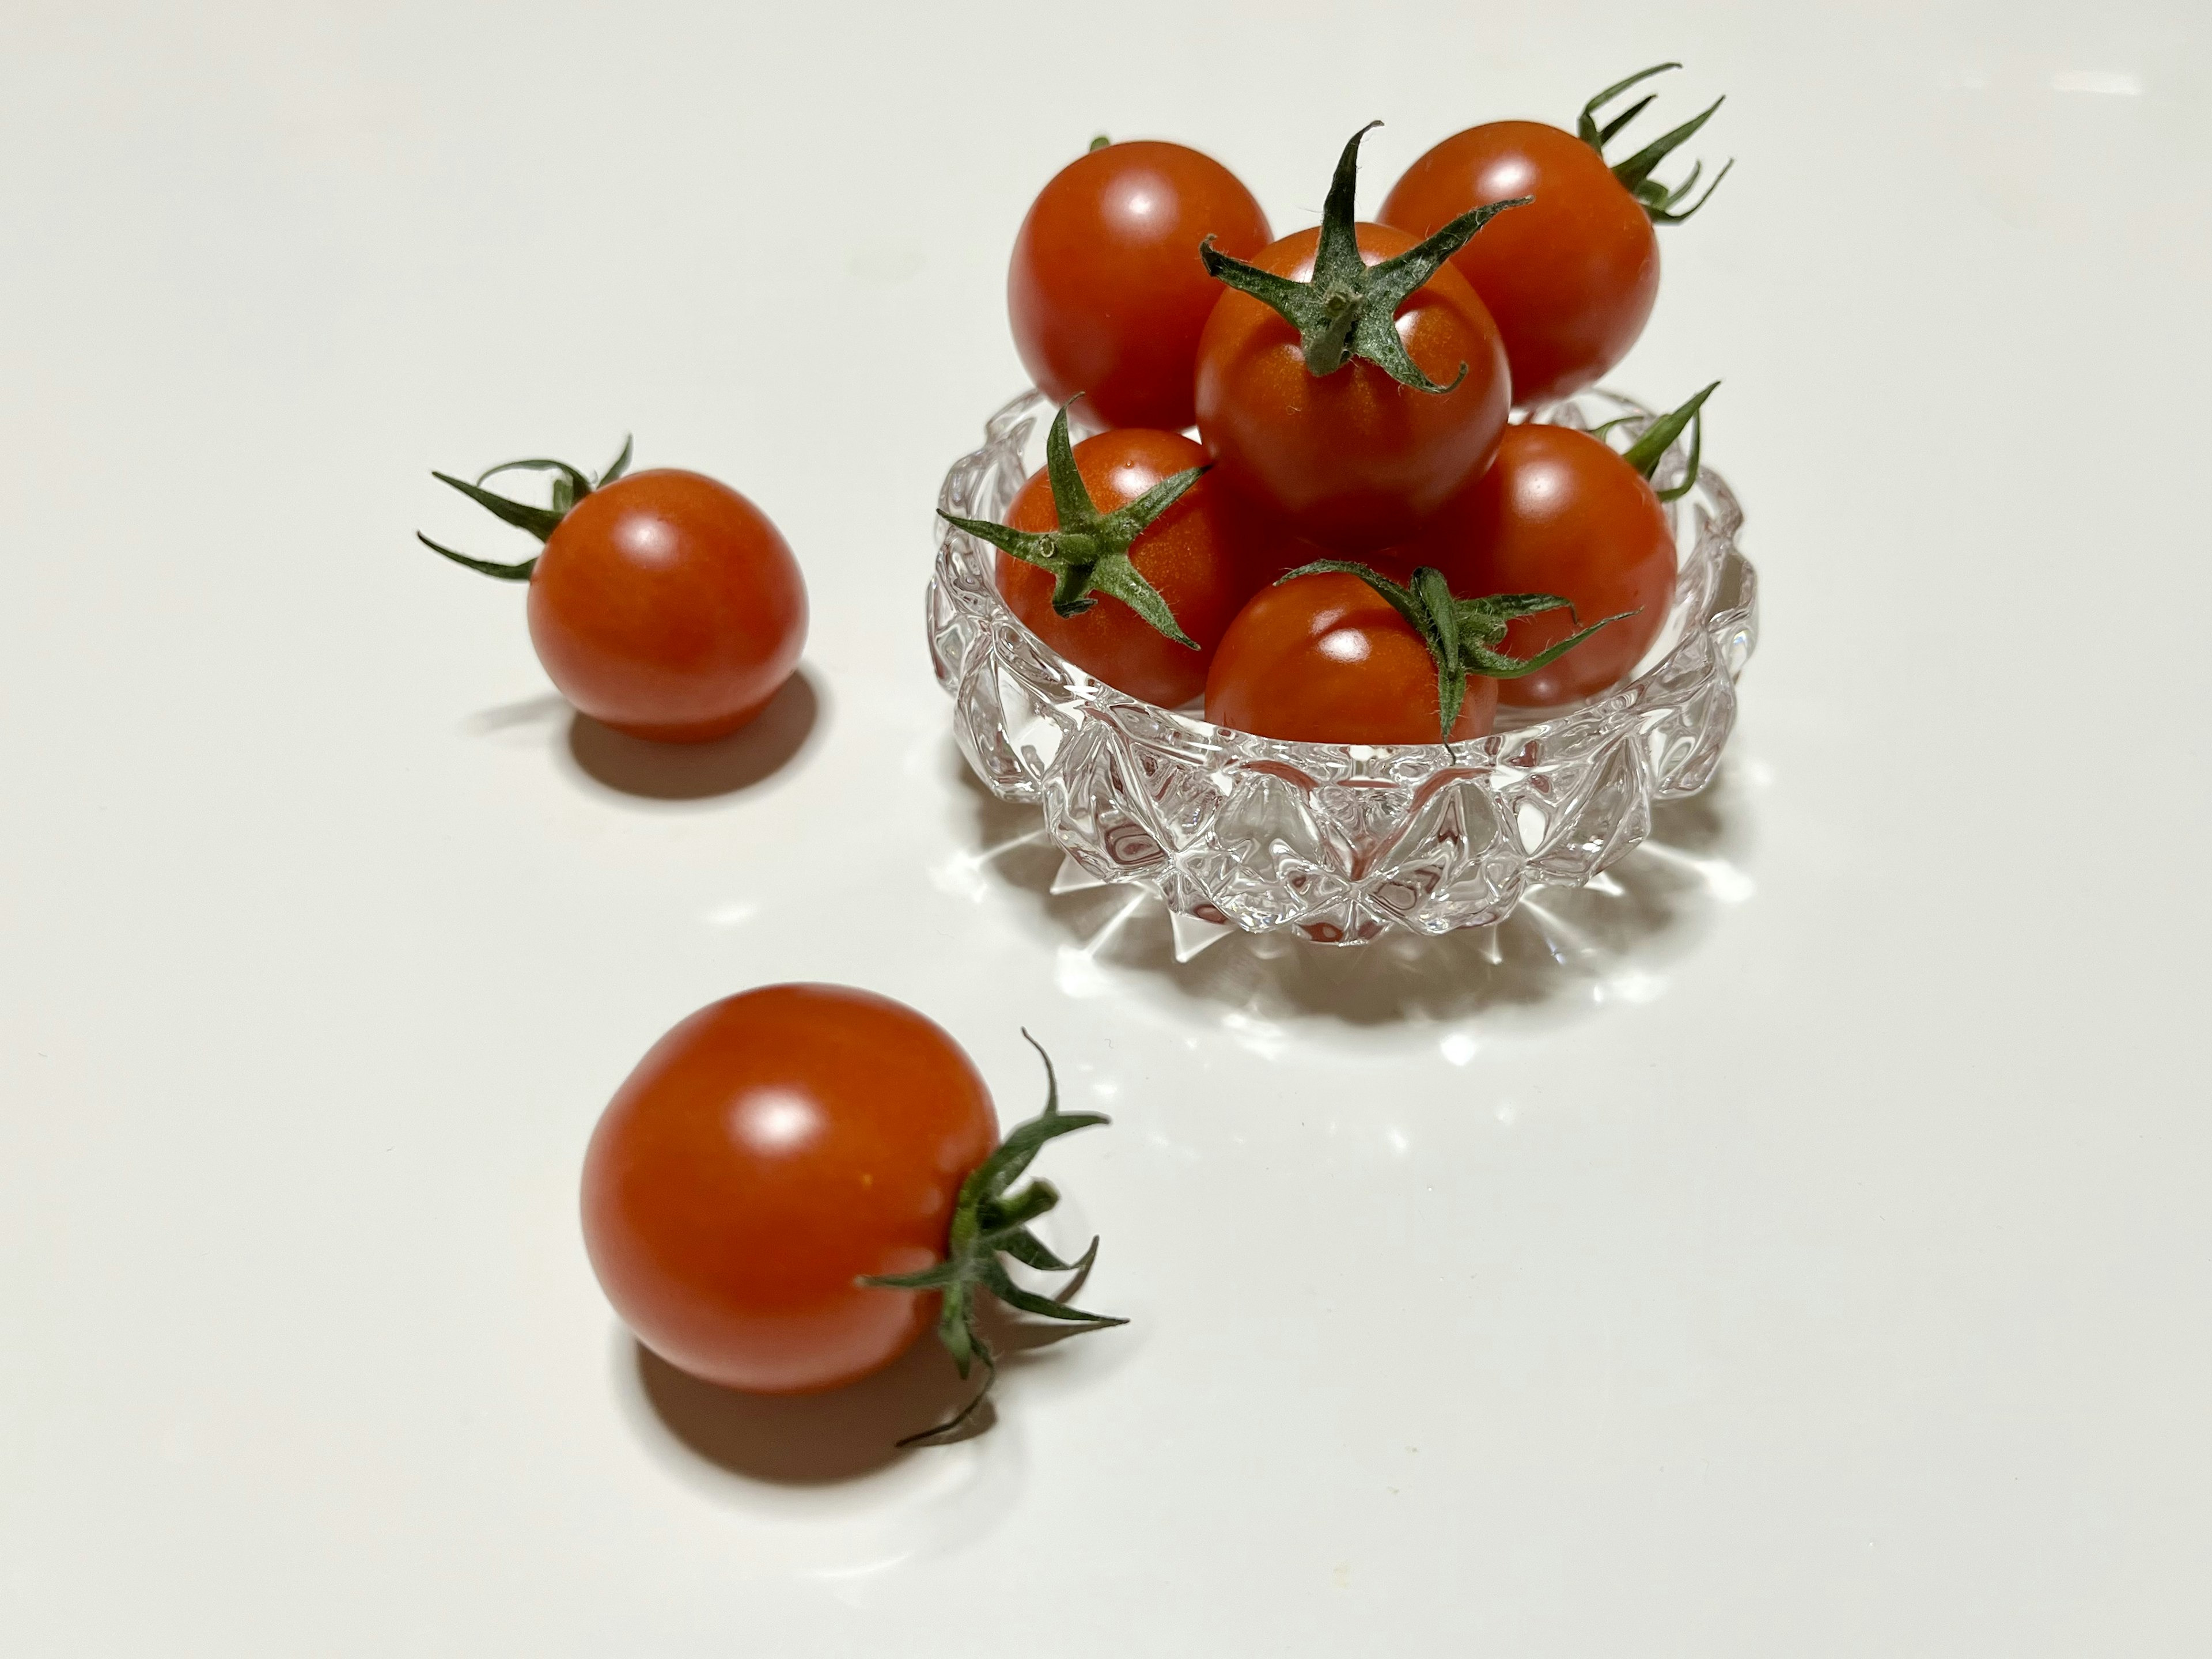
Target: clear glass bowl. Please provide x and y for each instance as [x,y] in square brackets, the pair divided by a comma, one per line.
[1340,842]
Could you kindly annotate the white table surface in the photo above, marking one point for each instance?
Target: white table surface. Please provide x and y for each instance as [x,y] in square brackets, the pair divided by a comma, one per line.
[1804,1251]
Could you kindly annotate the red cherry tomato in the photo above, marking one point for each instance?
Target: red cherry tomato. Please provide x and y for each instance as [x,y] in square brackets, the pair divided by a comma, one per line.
[1352,460]
[1326,659]
[1106,291]
[1571,278]
[1559,513]
[764,1155]
[666,605]
[1199,554]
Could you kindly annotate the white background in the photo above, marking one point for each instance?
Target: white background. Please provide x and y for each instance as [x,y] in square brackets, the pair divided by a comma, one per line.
[1805,1251]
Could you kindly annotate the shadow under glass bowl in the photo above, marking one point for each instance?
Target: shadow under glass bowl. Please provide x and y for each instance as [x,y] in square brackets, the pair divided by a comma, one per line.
[1340,842]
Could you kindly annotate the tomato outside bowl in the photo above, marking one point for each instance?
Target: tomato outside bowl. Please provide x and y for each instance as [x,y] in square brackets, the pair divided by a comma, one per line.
[1339,843]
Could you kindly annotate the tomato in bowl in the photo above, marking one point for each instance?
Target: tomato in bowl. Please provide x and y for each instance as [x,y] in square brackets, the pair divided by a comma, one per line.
[1338,842]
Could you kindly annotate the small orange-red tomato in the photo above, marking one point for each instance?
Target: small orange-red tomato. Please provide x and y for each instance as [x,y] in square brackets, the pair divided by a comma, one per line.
[1559,513]
[1571,278]
[1326,659]
[666,605]
[1199,556]
[767,1153]
[1107,294]
[1352,459]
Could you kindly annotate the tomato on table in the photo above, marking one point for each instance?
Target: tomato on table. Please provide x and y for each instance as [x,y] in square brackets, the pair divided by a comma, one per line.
[1106,291]
[780,1153]
[663,604]
[1122,558]
[764,1156]
[1572,278]
[1349,381]
[1561,511]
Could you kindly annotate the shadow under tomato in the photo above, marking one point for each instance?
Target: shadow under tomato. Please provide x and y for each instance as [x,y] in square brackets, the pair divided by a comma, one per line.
[700,771]
[1559,948]
[815,1439]
[545,707]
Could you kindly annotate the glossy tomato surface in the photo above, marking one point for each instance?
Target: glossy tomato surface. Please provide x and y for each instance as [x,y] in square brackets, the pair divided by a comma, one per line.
[1571,278]
[1326,659]
[1200,555]
[766,1153]
[1352,460]
[1559,513]
[1107,294]
[668,606]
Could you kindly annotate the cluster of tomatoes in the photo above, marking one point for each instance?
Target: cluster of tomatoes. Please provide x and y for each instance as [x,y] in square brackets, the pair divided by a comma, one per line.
[1360,545]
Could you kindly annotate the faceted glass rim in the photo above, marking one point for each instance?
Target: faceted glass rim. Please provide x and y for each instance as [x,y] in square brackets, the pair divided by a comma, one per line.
[1714,596]
[1338,843]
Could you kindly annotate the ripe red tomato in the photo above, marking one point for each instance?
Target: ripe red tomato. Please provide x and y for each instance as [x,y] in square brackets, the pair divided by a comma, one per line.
[1326,659]
[767,1153]
[1351,459]
[1199,554]
[1559,513]
[666,605]
[1106,291]
[1571,278]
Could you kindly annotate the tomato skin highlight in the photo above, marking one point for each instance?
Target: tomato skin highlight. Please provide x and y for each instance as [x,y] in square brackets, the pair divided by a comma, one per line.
[1326,659]
[1352,460]
[667,605]
[765,1153]
[1571,278]
[1200,554]
[1559,513]
[1106,291]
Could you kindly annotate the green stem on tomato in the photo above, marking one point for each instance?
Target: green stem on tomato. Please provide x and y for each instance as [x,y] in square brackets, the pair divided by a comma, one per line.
[569,486]
[1657,200]
[988,1221]
[1348,308]
[1462,635]
[1652,448]
[1089,553]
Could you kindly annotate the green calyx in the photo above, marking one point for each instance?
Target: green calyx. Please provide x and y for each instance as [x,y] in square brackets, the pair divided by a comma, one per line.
[1349,308]
[569,486]
[1462,635]
[1653,443]
[988,1221]
[1658,200]
[1088,554]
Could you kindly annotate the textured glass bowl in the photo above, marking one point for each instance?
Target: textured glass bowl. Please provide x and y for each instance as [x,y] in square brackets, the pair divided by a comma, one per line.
[1339,842]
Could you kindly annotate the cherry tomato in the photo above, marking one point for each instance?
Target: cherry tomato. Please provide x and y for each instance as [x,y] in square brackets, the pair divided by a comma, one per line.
[1559,513]
[1571,278]
[1200,554]
[764,1155]
[1106,291]
[1352,459]
[1326,659]
[666,605]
